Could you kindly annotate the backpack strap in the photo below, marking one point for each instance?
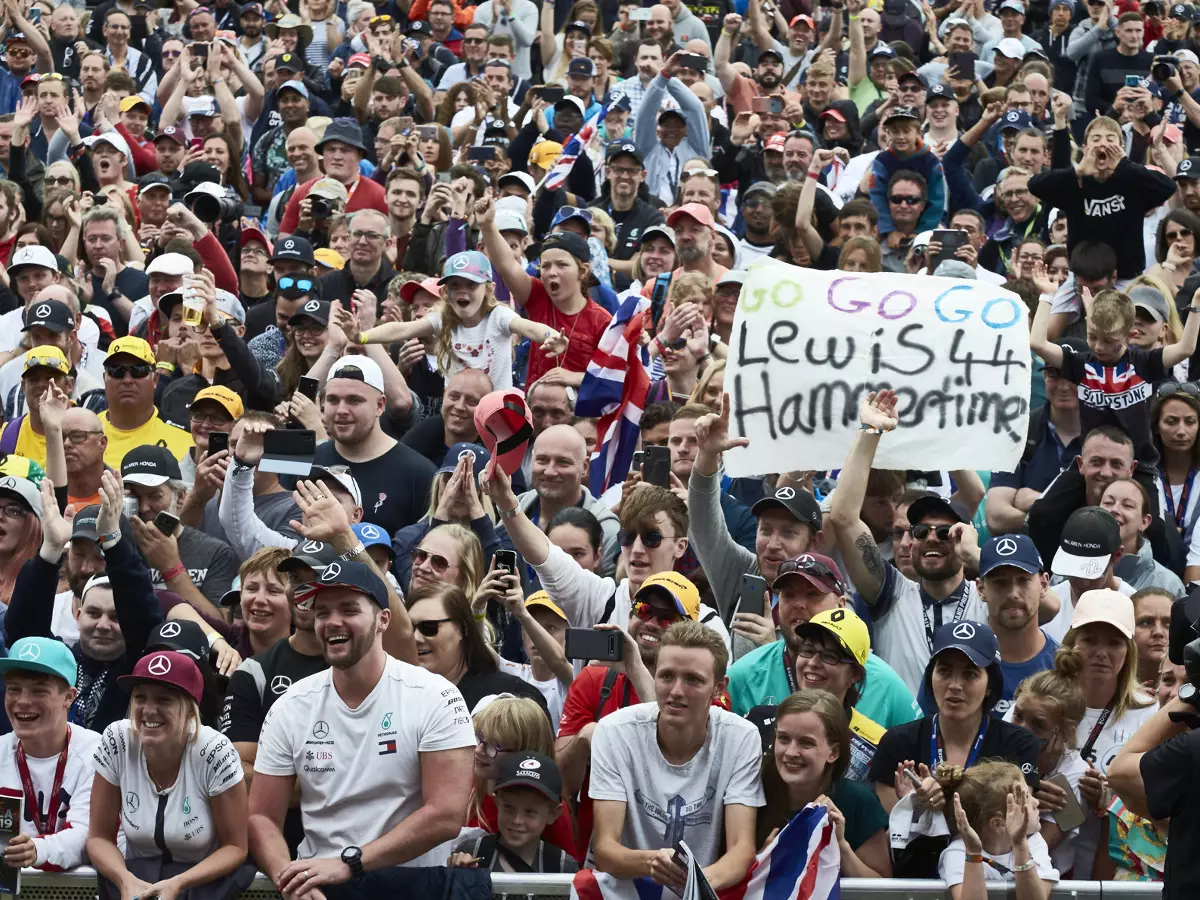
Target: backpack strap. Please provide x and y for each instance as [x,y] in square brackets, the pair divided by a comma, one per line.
[610,680]
[552,857]
[485,850]
[12,433]
[610,607]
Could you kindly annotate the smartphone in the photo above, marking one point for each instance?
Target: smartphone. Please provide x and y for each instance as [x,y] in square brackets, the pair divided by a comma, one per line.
[913,777]
[694,61]
[200,50]
[1133,81]
[951,240]
[656,466]
[309,387]
[35,15]
[775,106]
[288,451]
[406,125]
[761,104]
[587,643]
[217,441]
[166,523]
[481,154]
[1073,814]
[196,144]
[964,63]
[753,597]
[640,15]
[130,507]
[99,199]
[427,132]
[551,93]
[506,561]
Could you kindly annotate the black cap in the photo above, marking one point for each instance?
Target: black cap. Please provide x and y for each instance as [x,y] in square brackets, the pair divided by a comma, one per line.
[312,554]
[289,62]
[1181,11]
[419,26]
[296,248]
[354,576]
[530,770]
[771,51]
[619,102]
[317,310]
[1089,539]
[935,505]
[583,66]
[622,148]
[1188,169]
[939,90]
[149,465]
[198,172]
[50,314]
[183,635]
[573,243]
[902,112]
[83,526]
[797,501]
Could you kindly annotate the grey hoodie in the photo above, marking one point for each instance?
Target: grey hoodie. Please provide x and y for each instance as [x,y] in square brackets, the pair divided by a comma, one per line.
[1143,571]
[1085,42]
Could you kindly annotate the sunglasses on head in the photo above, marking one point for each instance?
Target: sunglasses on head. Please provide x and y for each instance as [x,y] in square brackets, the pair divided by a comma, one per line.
[138,370]
[1174,387]
[651,539]
[921,532]
[430,627]
[436,561]
[287,282]
[812,567]
[664,618]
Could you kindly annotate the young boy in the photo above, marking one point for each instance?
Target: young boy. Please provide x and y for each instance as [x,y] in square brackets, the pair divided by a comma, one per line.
[1115,379]
[528,795]
[544,636]
[906,152]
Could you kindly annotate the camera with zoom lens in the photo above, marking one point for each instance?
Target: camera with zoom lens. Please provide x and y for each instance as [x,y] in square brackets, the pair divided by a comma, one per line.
[1183,649]
[322,208]
[1164,67]
[210,209]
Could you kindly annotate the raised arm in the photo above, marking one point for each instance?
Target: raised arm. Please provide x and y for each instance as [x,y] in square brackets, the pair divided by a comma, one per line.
[724,49]
[1173,354]
[1039,341]
[547,44]
[520,282]
[858,46]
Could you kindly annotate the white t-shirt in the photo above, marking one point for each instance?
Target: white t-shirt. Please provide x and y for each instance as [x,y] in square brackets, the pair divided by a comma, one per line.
[953,862]
[1074,767]
[210,767]
[552,689]
[1058,627]
[360,769]
[486,346]
[62,621]
[66,847]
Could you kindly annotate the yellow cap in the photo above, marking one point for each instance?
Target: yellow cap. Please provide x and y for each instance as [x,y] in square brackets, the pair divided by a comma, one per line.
[847,627]
[132,346]
[47,357]
[541,598]
[223,395]
[329,258]
[545,153]
[134,100]
[682,591]
[22,467]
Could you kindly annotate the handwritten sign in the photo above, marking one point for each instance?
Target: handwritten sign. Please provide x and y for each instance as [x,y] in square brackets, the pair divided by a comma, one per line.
[807,346]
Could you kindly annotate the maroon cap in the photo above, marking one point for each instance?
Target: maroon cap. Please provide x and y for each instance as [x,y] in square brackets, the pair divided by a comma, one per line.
[167,667]
[820,571]
[173,133]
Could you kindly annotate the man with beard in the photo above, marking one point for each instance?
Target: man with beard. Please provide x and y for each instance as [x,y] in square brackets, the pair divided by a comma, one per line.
[759,239]
[648,63]
[1026,217]
[474,56]
[115,613]
[693,224]
[1012,582]
[251,44]
[906,613]
[270,156]
[1187,184]
[768,74]
[394,753]
[405,193]
[623,202]
[660,27]
[455,423]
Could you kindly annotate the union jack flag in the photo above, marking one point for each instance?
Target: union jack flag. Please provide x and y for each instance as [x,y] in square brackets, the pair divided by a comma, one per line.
[574,146]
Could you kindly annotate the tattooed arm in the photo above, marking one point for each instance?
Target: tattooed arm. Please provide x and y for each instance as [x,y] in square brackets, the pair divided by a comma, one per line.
[864,563]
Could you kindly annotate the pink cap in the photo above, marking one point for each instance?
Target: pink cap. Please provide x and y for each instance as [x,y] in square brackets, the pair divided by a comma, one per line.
[256,234]
[1106,606]
[408,290]
[505,427]
[359,59]
[697,211]
[775,142]
[801,19]
[169,667]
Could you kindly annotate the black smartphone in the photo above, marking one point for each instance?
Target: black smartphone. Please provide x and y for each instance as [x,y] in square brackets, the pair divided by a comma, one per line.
[551,93]
[694,61]
[587,643]
[506,561]
[99,199]
[35,15]
[656,466]
[481,154]
[951,240]
[639,457]
[288,451]
[309,387]
[200,50]
[217,441]
[753,599]
[166,523]
[658,298]
[964,63]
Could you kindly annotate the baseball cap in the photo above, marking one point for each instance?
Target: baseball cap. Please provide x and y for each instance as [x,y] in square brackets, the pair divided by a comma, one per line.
[132,101]
[53,315]
[357,368]
[1011,47]
[544,153]
[510,220]
[572,100]
[136,347]
[881,49]
[418,26]
[205,107]
[665,231]
[329,189]
[801,20]
[256,234]
[1016,550]
[583,66]
[569,242]
[228,400]
[230,306]
[169,667]
[1187,56]
[1015,5]
[846,626]
[296,248]
[566,213]
[530,770]
[469,264]
[733,276]
[505,425]
[24,490]
[622,148]
[149,465]
[775,143]
[1107,606]
[83,526]
[318,311]
[32,255]
[818,570]
[313,554]
[761,187]
[171,264]
[934,505]
[955,268]
[681,591]
[329,258]
[373,536]
[522,178]
[541,598]
[49,656]
[454,454]
[408,290]
[697,211]
[1188,169]
[112,138]
[46,358]
[939,91]
[294,85]
[358,61]
[800,503]
[771,51]
[978,643]
[1181,11]
[1016,119]
[902,112]
[1151,300]
[1089,539]
[833,113]
[354,576]
[186,636]
[171,133]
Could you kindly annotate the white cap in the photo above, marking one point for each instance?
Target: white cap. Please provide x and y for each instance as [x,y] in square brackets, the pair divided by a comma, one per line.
[112,138]
[523,178]
[1187,56]
[921,240]
[359,368]
[207,188]
[33,255]
[25,489]
[345,479]
[170,264]
[576,101]
[508,220]
[512,204]
[733,276]
[1012,48]
[199,106]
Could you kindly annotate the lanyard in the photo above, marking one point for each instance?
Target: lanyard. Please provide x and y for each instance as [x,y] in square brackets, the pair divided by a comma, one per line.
[937,753]
[1184,495]
[959,611]
[1086,750]
[789,669]
[52,803]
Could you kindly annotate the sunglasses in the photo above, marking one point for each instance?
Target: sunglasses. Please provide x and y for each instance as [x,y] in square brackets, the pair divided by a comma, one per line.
[903,200]
[662,617]
[139,371]
[474,41]
[651,539]
[812,567]
[827,655]
[379,20]
[1174,387]
[430,627]
[707,173]
[436,561]
[921,532]
[57,181]
[287,281]
[1169,235]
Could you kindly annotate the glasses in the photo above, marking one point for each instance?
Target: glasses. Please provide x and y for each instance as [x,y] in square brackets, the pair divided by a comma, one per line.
[13,511]
[1173,236]
[371,236]
[753,203]
[1014,194]
[254,251]
[490,750]
[905,200]
[630,171]
[79,436]
[812,567]
[436,561]
[58,181]
[287,281]
[19,51]
[1029,257]
[171,54]
[827,655]
[212,419]
[651,539]
[474,41]
[664,618]
[921,532]
[430,627]
[1174,387]
[137,371]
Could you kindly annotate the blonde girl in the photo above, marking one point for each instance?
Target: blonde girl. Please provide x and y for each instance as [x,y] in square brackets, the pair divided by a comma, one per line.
[472,329]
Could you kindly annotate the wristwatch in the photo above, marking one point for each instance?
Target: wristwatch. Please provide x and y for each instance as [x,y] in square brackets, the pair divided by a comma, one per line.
[352,857]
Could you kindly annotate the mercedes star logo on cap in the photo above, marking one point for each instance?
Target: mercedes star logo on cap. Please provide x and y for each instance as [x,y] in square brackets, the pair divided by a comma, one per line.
[785,493]
[332,571]
[370,531]
[289,244]
[312,305]
[30,652]
[1006,547]
[42,311]
[313,547]
[964,631]
[160,665]
[169,630]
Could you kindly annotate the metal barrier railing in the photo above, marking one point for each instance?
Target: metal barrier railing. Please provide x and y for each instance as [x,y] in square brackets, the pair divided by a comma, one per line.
[81,885]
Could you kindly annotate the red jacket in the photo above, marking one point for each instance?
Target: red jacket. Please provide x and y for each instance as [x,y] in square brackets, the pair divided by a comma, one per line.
[144,160]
